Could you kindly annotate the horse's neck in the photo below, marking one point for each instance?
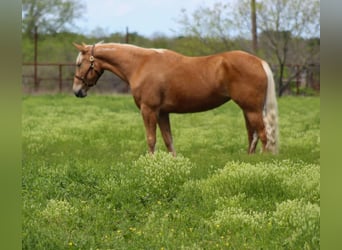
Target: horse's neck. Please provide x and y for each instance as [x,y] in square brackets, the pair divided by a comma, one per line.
[121,59]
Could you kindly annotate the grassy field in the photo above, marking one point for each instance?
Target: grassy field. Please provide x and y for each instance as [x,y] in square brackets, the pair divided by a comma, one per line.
[87,182]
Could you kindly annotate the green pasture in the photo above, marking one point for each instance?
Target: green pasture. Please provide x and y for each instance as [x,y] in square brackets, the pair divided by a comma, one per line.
[87,182]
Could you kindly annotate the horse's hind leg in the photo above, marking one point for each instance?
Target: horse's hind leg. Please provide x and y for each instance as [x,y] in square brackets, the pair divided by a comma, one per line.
[165,129]
[150,122]
[252,136]
[256,130]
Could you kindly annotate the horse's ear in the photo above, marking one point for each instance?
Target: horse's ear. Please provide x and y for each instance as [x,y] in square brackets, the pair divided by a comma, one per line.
[81,48]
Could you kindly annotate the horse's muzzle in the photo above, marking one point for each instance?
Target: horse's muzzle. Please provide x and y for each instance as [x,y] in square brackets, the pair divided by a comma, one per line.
[80,93]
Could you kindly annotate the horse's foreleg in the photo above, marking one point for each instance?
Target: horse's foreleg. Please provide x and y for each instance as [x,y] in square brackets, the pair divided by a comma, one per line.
[150,122]
[165,129]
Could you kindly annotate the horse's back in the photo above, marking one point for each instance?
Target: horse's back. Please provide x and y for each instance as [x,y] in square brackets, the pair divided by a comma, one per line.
[176,83]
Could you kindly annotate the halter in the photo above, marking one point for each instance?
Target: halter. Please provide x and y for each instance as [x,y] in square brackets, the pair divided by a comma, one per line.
[91,67]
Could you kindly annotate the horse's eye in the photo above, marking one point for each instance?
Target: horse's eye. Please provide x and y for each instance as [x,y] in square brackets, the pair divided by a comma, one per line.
[78,65]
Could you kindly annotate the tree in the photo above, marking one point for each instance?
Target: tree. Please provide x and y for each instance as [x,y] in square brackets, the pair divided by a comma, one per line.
[284,24]
[51,16]
[209,26]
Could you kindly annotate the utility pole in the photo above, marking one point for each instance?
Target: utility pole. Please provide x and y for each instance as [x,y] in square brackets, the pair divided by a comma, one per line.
[254,27]
[127,35]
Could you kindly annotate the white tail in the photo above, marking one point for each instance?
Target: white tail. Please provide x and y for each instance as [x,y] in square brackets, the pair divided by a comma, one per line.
[270,112]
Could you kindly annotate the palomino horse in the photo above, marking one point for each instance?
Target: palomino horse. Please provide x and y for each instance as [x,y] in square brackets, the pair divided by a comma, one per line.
[164,82]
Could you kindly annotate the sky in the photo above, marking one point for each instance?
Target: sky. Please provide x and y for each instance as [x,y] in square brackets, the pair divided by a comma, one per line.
[146,17]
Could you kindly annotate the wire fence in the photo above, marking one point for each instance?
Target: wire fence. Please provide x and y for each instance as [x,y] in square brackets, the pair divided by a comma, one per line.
[58,78]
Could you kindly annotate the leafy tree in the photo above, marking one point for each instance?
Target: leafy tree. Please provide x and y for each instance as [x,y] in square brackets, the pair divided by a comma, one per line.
[284,24]
[212,26]
[51,16]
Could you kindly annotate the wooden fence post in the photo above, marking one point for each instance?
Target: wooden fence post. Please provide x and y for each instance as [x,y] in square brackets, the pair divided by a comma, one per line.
[60,82]
[35,74]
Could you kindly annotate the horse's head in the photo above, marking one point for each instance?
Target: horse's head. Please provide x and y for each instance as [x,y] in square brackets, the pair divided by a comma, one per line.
[87,70]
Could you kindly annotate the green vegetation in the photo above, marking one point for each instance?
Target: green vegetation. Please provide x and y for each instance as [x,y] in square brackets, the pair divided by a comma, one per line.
[87,182]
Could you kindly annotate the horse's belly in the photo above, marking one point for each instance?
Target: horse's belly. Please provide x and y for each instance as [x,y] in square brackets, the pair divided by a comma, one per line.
[194,103]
